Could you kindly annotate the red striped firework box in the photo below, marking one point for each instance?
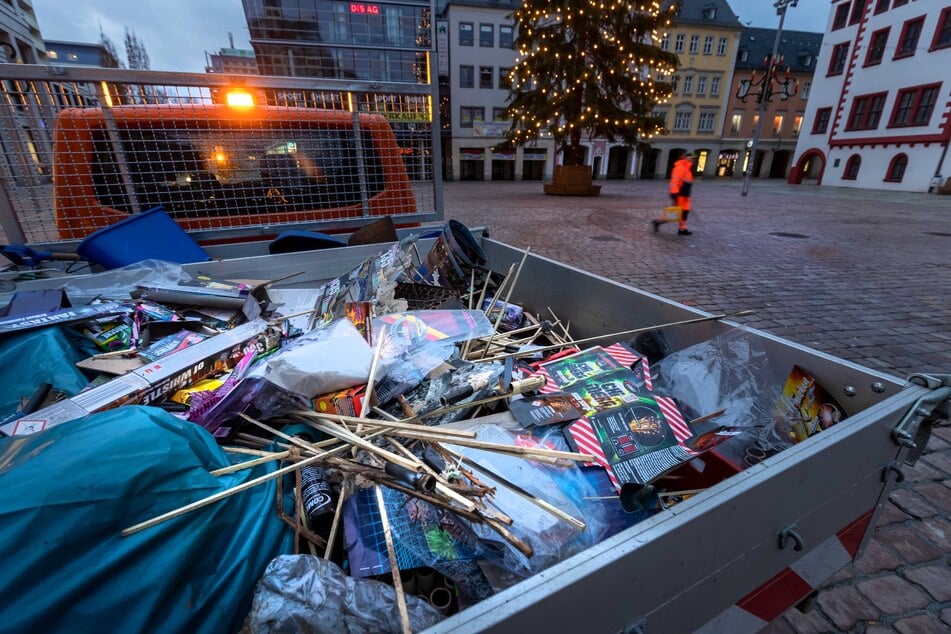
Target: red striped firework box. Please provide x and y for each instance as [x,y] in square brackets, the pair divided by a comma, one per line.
[588,363]
[587,440]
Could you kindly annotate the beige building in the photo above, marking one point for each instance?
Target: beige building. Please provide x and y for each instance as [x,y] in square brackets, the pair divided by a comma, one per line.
[784,117]
[705,37]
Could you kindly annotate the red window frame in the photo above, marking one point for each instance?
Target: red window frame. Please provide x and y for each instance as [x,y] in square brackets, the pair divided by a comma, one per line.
[944,24]
[914,105]
[850,173]
[823,116]
[844,46]
[881,6]
[858,8]
[872,41]
[893,165]
[866,111]
[899,3]
[841,16]
[900,53]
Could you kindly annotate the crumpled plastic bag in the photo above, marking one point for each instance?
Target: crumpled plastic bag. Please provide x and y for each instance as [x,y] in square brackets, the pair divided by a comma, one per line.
[730,371]
[324,360]
[303,593]
[117,283]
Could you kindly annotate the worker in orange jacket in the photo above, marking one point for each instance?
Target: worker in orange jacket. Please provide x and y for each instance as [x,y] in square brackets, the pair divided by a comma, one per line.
[681,181]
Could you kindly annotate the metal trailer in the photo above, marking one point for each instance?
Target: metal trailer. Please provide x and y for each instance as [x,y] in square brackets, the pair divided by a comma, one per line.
[730,559]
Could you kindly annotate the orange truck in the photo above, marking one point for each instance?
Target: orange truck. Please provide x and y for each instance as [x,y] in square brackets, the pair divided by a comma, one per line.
[218,166]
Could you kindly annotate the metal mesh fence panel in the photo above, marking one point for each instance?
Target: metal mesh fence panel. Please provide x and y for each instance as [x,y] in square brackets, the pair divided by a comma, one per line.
[224,156]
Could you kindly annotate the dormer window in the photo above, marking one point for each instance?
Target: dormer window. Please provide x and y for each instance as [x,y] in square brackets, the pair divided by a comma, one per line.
[710,12]
[744,54]
[805,59]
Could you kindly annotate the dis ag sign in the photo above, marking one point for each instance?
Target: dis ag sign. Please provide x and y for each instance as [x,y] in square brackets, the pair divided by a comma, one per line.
[360,7]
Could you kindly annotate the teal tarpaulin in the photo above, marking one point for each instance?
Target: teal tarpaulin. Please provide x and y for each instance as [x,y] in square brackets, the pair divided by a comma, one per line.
[67,492]
[40,356]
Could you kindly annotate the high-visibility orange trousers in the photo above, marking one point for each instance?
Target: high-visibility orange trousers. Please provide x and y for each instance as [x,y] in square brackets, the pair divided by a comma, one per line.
[684,203]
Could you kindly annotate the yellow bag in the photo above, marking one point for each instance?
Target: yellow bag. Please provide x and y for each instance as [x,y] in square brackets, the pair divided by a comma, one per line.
[672,213]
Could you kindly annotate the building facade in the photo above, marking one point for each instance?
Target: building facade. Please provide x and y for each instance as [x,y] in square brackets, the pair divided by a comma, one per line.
[83,54]
[367,41]
[23,128]
[73,53]
[20,38]
[475,44]
[879,113]
[783,119]
[476,48]
[705,38]
[231,60]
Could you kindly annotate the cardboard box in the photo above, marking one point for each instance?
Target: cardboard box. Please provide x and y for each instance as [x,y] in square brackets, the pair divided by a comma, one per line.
[154,381]
[345,402]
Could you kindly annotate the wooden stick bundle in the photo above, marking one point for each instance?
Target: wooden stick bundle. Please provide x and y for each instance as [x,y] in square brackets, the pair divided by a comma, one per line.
[509,449]
[622,333]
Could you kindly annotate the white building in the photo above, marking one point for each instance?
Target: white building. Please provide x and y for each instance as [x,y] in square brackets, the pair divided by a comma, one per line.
[879,114]
[475,48]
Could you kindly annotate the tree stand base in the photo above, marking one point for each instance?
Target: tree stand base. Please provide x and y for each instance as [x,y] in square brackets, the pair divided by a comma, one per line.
[572,180]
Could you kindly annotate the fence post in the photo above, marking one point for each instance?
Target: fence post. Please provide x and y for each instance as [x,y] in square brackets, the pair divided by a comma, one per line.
[118,150]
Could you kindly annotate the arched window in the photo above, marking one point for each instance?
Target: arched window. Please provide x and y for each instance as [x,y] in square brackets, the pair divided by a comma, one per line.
[852,167]
[896,169]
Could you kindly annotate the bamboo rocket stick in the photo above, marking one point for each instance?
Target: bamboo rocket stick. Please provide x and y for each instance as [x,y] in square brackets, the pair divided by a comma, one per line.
[510,449]
[495,297]
[358,441]
[394,565]
[221,495]
[368,397]
[508,295]
[623,333]
[557,512]
[370,422]
[250,464]
[338,513]
[217,497]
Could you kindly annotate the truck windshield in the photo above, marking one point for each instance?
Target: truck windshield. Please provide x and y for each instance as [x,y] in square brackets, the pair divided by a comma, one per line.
[195,172]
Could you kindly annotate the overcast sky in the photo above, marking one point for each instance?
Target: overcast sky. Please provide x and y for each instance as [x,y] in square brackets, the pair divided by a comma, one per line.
[176,33]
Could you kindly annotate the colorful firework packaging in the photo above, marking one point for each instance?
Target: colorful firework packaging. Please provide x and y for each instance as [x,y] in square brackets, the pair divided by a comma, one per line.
[605,391]
[638,439]
[545,409]
[586,364]
[805,408]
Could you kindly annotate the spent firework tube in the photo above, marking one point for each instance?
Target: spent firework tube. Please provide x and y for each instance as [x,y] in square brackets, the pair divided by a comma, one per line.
[315,492]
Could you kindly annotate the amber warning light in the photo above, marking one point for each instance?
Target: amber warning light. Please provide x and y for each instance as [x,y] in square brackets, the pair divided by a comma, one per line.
[360,7]
[239,99]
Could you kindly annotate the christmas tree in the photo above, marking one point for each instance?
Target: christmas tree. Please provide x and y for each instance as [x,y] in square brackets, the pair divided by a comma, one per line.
[591,67]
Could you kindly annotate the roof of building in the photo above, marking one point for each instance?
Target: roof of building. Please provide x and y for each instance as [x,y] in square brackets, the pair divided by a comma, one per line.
[799,49]
[90,45]
[508,5]
[234,52]
[708,12]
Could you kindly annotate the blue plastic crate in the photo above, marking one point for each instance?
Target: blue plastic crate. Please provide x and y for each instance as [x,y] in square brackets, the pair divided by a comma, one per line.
[150,235]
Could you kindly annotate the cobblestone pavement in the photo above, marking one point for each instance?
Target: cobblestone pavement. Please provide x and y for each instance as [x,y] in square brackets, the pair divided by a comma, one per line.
[863,275]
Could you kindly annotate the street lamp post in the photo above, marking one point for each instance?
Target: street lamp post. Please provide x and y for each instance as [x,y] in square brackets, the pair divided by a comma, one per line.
[765,92]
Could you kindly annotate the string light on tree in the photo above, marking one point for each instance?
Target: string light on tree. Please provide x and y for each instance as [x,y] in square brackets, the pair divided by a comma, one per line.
[582,69]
